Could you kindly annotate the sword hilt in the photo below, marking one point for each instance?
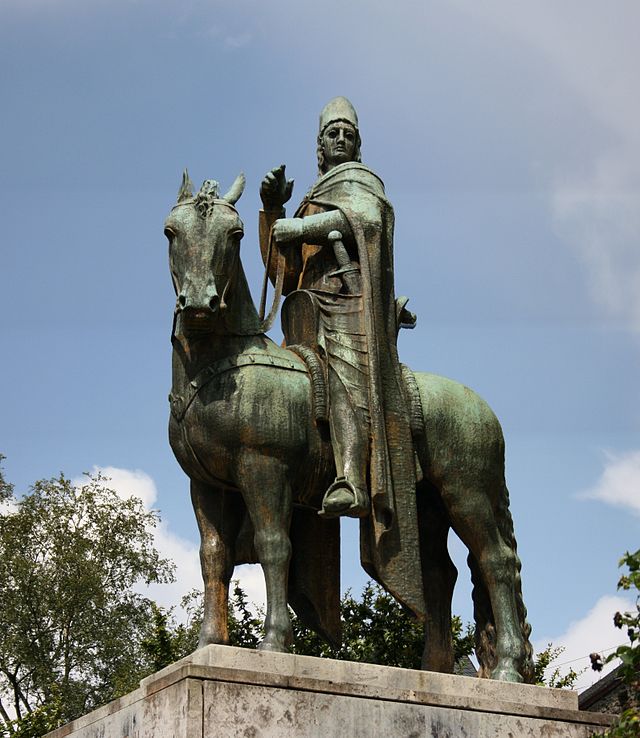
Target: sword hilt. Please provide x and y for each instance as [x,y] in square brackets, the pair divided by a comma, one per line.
[346,271]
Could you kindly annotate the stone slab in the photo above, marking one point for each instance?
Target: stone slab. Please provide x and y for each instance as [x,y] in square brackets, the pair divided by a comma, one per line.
[226,691]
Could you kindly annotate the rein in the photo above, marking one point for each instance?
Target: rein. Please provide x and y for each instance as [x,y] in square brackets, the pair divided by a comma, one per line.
[230,278]
[265,324]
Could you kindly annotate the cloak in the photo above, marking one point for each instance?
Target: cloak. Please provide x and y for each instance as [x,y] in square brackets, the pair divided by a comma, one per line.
[389,543]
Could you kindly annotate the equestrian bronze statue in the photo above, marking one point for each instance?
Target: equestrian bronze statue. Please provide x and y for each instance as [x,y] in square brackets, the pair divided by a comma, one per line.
[280,441]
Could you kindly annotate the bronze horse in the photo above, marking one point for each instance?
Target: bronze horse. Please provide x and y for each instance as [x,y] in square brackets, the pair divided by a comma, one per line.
[242,427]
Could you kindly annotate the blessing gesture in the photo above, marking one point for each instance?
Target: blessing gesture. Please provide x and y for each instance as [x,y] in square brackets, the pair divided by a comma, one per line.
[275,189]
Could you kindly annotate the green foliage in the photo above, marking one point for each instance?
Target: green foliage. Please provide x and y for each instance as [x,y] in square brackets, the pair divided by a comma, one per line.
[6,489]
[43,719]
[245,627]
[162,644]
[464,638]
[169,641]
[556,680]
[629,621]
[628,723]
[378,630]
[71,627]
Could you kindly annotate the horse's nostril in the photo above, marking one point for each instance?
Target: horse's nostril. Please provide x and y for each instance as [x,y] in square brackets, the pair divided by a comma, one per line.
[214,302]
[182,300]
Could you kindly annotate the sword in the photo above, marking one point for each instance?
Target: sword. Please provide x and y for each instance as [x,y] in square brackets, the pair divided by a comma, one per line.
[346,270]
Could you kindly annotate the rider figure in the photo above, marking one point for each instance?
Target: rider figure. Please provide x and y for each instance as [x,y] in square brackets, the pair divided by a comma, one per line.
[348,275]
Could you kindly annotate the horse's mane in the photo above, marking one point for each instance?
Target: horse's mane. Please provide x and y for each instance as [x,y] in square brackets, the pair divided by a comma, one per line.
[206,198]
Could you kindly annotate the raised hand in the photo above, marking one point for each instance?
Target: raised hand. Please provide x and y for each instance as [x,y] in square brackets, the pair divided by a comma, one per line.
[275,189]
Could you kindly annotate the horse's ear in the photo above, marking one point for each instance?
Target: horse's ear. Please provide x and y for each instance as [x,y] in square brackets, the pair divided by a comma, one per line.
[186,188]
[237,188]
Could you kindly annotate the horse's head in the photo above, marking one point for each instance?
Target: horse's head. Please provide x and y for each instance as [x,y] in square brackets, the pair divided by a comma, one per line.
[204,233]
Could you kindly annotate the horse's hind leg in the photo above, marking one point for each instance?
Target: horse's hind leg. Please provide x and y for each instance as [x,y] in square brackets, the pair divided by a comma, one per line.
[267,495]
[485,636]
[439,576]
[219,514]
[474,520]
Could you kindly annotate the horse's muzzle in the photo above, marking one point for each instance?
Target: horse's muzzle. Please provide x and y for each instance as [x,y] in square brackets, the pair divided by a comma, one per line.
[198,321]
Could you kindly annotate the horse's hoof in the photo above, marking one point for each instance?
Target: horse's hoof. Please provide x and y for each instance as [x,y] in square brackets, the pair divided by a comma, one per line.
[506,675]
[272,647]
[212,641]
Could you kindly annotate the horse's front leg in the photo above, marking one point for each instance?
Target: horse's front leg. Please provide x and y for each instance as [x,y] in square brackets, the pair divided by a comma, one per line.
[219,515]
[267,495]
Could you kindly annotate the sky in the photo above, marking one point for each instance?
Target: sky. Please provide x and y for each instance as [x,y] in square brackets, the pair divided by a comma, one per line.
[507,137]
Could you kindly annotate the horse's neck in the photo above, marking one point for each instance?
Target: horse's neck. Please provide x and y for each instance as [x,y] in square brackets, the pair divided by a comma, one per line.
[192,356]
[238,330]
[240,317]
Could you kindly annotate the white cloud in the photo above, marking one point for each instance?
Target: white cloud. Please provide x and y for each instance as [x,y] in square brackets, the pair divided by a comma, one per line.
[252,582]
[128,483]
[595,205]
[8,508]
[184,553]
[599,217]
[619,483]
[594,632]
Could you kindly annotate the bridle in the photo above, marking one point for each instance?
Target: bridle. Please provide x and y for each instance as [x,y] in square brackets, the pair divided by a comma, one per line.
[232,271]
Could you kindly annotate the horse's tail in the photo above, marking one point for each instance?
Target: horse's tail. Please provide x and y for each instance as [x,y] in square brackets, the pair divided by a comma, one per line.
[505,525]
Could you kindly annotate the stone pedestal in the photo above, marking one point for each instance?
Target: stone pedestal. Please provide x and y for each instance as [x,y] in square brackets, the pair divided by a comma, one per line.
[225,691]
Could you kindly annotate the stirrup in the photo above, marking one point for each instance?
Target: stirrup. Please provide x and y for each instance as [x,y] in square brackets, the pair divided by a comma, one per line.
[348,500]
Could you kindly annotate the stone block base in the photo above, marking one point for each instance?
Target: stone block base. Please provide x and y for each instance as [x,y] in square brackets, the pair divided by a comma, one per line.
[225,691]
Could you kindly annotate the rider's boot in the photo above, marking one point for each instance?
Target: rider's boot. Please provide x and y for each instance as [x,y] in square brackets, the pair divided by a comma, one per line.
[347,495]
[343,498]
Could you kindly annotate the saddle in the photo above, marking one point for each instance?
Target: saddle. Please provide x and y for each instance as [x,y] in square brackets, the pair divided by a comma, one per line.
[300,317]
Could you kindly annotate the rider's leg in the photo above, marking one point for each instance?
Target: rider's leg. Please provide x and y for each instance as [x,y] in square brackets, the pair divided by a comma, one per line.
[348,493]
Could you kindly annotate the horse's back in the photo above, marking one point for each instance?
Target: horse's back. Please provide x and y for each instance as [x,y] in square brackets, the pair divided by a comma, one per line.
[461,430]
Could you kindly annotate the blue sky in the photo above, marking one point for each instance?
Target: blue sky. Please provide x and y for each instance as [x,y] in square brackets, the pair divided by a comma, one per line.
[507,135]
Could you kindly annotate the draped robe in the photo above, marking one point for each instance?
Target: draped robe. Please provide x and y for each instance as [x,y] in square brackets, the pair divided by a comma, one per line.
[389,543]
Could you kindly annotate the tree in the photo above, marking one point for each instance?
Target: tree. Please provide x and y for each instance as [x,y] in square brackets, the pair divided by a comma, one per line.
[44,718]
[628,723]
[168,641]
[556,680]
[71,626]
[376,629]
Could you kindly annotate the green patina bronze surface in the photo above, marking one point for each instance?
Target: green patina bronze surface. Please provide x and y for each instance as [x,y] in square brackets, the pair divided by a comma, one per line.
[331,422]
